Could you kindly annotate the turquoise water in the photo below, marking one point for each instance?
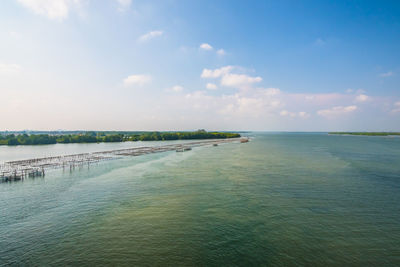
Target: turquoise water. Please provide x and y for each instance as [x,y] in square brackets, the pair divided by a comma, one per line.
[282,199]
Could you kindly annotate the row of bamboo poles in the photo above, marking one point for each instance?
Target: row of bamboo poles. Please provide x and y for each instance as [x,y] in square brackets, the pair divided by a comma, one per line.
[21,169]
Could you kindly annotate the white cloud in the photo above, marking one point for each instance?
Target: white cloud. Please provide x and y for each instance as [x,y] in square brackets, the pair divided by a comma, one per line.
[211,86]
[124,4]
[199,100]
[207,73]
[138,79]
[228,79]
[287,113]
[6,69]
[362,98]
[339,110]
[271,91]
[208,47]
[150,35]
[176,88]
[250,103]
[396,107]
[301,114]
[239,80]
[250,106]
[322,99]
[386,74]
[240,106]
[274,103]
[205,46]
[196,94]
[221,52]
[53,9]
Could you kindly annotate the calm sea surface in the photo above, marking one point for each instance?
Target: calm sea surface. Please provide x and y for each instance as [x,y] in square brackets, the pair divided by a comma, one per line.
[280,200]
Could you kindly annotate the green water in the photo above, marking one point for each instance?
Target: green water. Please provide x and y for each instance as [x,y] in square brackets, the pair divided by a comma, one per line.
[279,200]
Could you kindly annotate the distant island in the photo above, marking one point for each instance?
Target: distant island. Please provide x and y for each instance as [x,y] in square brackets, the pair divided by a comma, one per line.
[367,133]
[102,137]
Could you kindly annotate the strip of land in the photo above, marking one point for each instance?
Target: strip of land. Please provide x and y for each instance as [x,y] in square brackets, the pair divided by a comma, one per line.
[100,137]
[367,133]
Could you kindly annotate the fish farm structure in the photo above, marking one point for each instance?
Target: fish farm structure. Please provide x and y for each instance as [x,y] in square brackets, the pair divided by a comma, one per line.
[37,167]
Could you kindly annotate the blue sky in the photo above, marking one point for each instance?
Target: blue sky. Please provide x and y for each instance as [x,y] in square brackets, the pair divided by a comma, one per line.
[183,65]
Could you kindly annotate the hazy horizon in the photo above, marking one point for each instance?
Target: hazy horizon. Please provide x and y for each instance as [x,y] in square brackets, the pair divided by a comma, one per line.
[122,65]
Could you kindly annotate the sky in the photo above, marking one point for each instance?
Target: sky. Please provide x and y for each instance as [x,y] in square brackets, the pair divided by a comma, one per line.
[188,65]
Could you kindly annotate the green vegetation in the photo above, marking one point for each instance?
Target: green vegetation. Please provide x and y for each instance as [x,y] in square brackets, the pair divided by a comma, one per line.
[367,133]
[99,137]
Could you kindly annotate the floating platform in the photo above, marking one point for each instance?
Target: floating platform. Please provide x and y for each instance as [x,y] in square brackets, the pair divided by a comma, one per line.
[183,149]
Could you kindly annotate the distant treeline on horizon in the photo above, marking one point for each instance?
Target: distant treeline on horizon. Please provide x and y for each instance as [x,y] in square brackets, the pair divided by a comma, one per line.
[100,137]
[367,133]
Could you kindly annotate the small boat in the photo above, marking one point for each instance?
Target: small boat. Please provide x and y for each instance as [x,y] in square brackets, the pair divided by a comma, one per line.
[244,140]
[215,144]
[183,149]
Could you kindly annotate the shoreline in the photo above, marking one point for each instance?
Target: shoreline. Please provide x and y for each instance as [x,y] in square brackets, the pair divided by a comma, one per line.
[370,134]
[114,137]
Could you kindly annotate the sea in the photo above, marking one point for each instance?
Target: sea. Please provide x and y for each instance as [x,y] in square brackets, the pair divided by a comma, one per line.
[282,199]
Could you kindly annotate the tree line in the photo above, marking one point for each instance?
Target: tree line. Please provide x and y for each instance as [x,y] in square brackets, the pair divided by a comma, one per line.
[367,133]
[100,137]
